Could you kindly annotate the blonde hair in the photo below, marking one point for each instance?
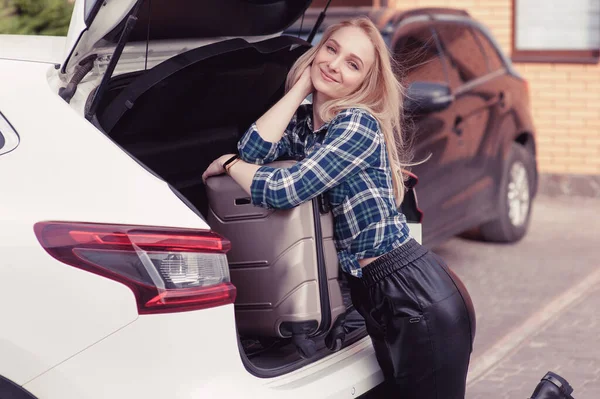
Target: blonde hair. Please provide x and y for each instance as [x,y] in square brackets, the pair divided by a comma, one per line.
[380,94]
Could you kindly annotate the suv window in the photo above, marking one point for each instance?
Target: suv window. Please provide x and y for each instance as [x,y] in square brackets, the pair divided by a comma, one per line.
[9,139]
[89,4]
[418,57]
[491,53]
[464,52]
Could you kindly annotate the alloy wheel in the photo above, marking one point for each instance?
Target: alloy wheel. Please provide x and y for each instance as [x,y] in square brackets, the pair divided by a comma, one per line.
[518,194]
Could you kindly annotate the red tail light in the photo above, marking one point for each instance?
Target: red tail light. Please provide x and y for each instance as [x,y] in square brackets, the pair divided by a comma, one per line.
[412,203]
[411,179]
[168,269]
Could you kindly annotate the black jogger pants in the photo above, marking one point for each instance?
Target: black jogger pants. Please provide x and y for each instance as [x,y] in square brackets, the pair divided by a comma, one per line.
[421,320]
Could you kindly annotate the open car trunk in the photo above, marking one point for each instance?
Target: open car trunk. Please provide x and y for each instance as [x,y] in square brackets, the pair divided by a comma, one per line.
[177,117]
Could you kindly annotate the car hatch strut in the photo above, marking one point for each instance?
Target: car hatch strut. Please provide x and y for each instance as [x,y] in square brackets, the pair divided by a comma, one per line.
[313,32]
[131,20]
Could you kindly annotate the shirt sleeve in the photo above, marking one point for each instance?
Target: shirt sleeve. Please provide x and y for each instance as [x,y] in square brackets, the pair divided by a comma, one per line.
[254,149]
[352,144]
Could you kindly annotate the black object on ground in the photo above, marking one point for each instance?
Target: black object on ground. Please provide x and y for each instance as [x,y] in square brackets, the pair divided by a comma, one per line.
[553,386]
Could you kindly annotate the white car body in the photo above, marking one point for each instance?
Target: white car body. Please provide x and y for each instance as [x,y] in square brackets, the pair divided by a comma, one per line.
[67,333]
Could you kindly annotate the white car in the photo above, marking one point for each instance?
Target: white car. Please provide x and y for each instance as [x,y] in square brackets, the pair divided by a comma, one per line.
[82,201]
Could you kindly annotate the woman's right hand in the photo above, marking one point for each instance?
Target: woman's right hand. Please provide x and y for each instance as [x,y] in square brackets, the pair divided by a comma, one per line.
[273,124]
[304,82]
[215,168]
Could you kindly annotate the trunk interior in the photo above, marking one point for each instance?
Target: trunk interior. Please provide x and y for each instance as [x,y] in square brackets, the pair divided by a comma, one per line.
[177,117]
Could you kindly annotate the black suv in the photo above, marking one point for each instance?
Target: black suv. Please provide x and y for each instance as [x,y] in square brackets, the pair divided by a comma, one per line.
[467,109]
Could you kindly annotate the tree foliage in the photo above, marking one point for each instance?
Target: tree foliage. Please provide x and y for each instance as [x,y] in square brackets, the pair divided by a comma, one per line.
[35,17]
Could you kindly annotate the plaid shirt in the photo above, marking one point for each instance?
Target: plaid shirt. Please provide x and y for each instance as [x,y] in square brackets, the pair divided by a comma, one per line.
[346,159]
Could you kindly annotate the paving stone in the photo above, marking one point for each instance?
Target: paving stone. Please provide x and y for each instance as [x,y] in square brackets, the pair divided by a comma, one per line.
[566,345]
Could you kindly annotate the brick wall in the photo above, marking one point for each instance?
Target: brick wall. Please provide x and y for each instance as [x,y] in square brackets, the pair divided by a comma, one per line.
[565,97]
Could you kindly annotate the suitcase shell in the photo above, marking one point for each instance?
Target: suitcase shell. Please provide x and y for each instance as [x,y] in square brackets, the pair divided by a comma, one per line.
[282,262]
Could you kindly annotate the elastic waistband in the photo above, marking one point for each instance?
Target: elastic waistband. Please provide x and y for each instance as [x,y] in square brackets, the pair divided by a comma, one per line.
[390,262]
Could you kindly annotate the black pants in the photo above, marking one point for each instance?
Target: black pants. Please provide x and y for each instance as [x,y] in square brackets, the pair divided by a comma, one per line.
[421,320]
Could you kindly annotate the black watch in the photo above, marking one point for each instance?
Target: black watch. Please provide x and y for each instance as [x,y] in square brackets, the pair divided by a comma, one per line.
[230,160]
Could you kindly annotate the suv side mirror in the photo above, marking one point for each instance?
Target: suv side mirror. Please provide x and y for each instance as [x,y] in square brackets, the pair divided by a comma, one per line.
[426,97]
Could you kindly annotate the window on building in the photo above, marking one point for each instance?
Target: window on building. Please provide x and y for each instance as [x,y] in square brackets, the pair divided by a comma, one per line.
[556,31]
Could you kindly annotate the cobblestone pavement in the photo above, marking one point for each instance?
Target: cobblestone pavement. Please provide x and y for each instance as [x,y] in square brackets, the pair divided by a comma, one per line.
[508,283]
[568,345]
[512,284]
[524,325]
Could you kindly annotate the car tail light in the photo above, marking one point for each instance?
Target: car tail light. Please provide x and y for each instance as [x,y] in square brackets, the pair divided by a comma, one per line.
[168,269]
[411,179]
[410,205]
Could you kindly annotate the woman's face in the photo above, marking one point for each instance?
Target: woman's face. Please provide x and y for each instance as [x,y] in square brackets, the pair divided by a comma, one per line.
[342,63]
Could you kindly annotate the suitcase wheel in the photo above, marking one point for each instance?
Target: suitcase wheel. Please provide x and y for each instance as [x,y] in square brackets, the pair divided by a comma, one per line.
[267,342]
[306,347]
[335,339]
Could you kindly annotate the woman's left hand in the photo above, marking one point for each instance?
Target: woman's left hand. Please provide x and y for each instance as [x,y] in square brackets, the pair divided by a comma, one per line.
[216,167]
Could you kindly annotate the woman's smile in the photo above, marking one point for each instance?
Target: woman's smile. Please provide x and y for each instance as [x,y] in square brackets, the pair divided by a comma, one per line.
[327,77]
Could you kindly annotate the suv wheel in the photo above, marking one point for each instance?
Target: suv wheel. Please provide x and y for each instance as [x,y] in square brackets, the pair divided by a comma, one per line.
[515,198]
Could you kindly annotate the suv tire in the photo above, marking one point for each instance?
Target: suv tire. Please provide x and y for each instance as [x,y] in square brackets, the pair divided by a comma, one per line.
[515,199]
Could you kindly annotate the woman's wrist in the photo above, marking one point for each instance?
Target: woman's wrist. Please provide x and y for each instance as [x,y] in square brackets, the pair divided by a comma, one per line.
[227,159]
[230,164]
[301,91]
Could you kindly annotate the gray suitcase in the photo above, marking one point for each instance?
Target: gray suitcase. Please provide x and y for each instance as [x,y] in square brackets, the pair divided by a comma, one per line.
[283,264]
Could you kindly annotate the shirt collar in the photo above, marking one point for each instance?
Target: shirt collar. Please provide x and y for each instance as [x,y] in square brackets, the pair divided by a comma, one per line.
[309,121]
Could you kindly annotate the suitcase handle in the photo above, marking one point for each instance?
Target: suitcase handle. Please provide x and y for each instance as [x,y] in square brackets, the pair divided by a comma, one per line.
[243,201]
[324,205]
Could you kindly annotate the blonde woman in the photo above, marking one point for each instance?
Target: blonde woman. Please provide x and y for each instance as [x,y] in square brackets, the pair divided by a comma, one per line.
[417,312]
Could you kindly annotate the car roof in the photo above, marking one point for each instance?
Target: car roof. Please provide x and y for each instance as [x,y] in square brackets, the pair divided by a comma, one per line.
[47,49]
[384,18]
[388,20]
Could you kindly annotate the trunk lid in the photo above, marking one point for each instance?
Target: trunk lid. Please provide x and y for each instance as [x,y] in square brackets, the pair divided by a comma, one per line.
[100,23]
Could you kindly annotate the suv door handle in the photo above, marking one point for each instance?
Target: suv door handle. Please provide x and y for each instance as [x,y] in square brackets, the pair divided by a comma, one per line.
[457,128]
[499,99]
[502,99]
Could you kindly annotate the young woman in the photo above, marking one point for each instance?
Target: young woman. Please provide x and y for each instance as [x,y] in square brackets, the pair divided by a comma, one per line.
[418,314]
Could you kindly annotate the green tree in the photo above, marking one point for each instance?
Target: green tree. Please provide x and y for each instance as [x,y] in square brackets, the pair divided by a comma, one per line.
[35,17]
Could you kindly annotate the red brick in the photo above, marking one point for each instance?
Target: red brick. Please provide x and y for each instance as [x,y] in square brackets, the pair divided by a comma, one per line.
[568,140]
[553,168]
[593,123]
[584,113]
[592,160]
[586,94]
[584,169]
[586,150]
[592,140]
[570,85]
[570,123]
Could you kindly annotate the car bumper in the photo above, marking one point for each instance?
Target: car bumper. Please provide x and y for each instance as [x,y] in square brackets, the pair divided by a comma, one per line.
[156,356]
[181,356]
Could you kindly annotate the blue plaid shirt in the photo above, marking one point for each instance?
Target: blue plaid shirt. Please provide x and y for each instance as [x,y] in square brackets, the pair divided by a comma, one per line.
[346,159]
